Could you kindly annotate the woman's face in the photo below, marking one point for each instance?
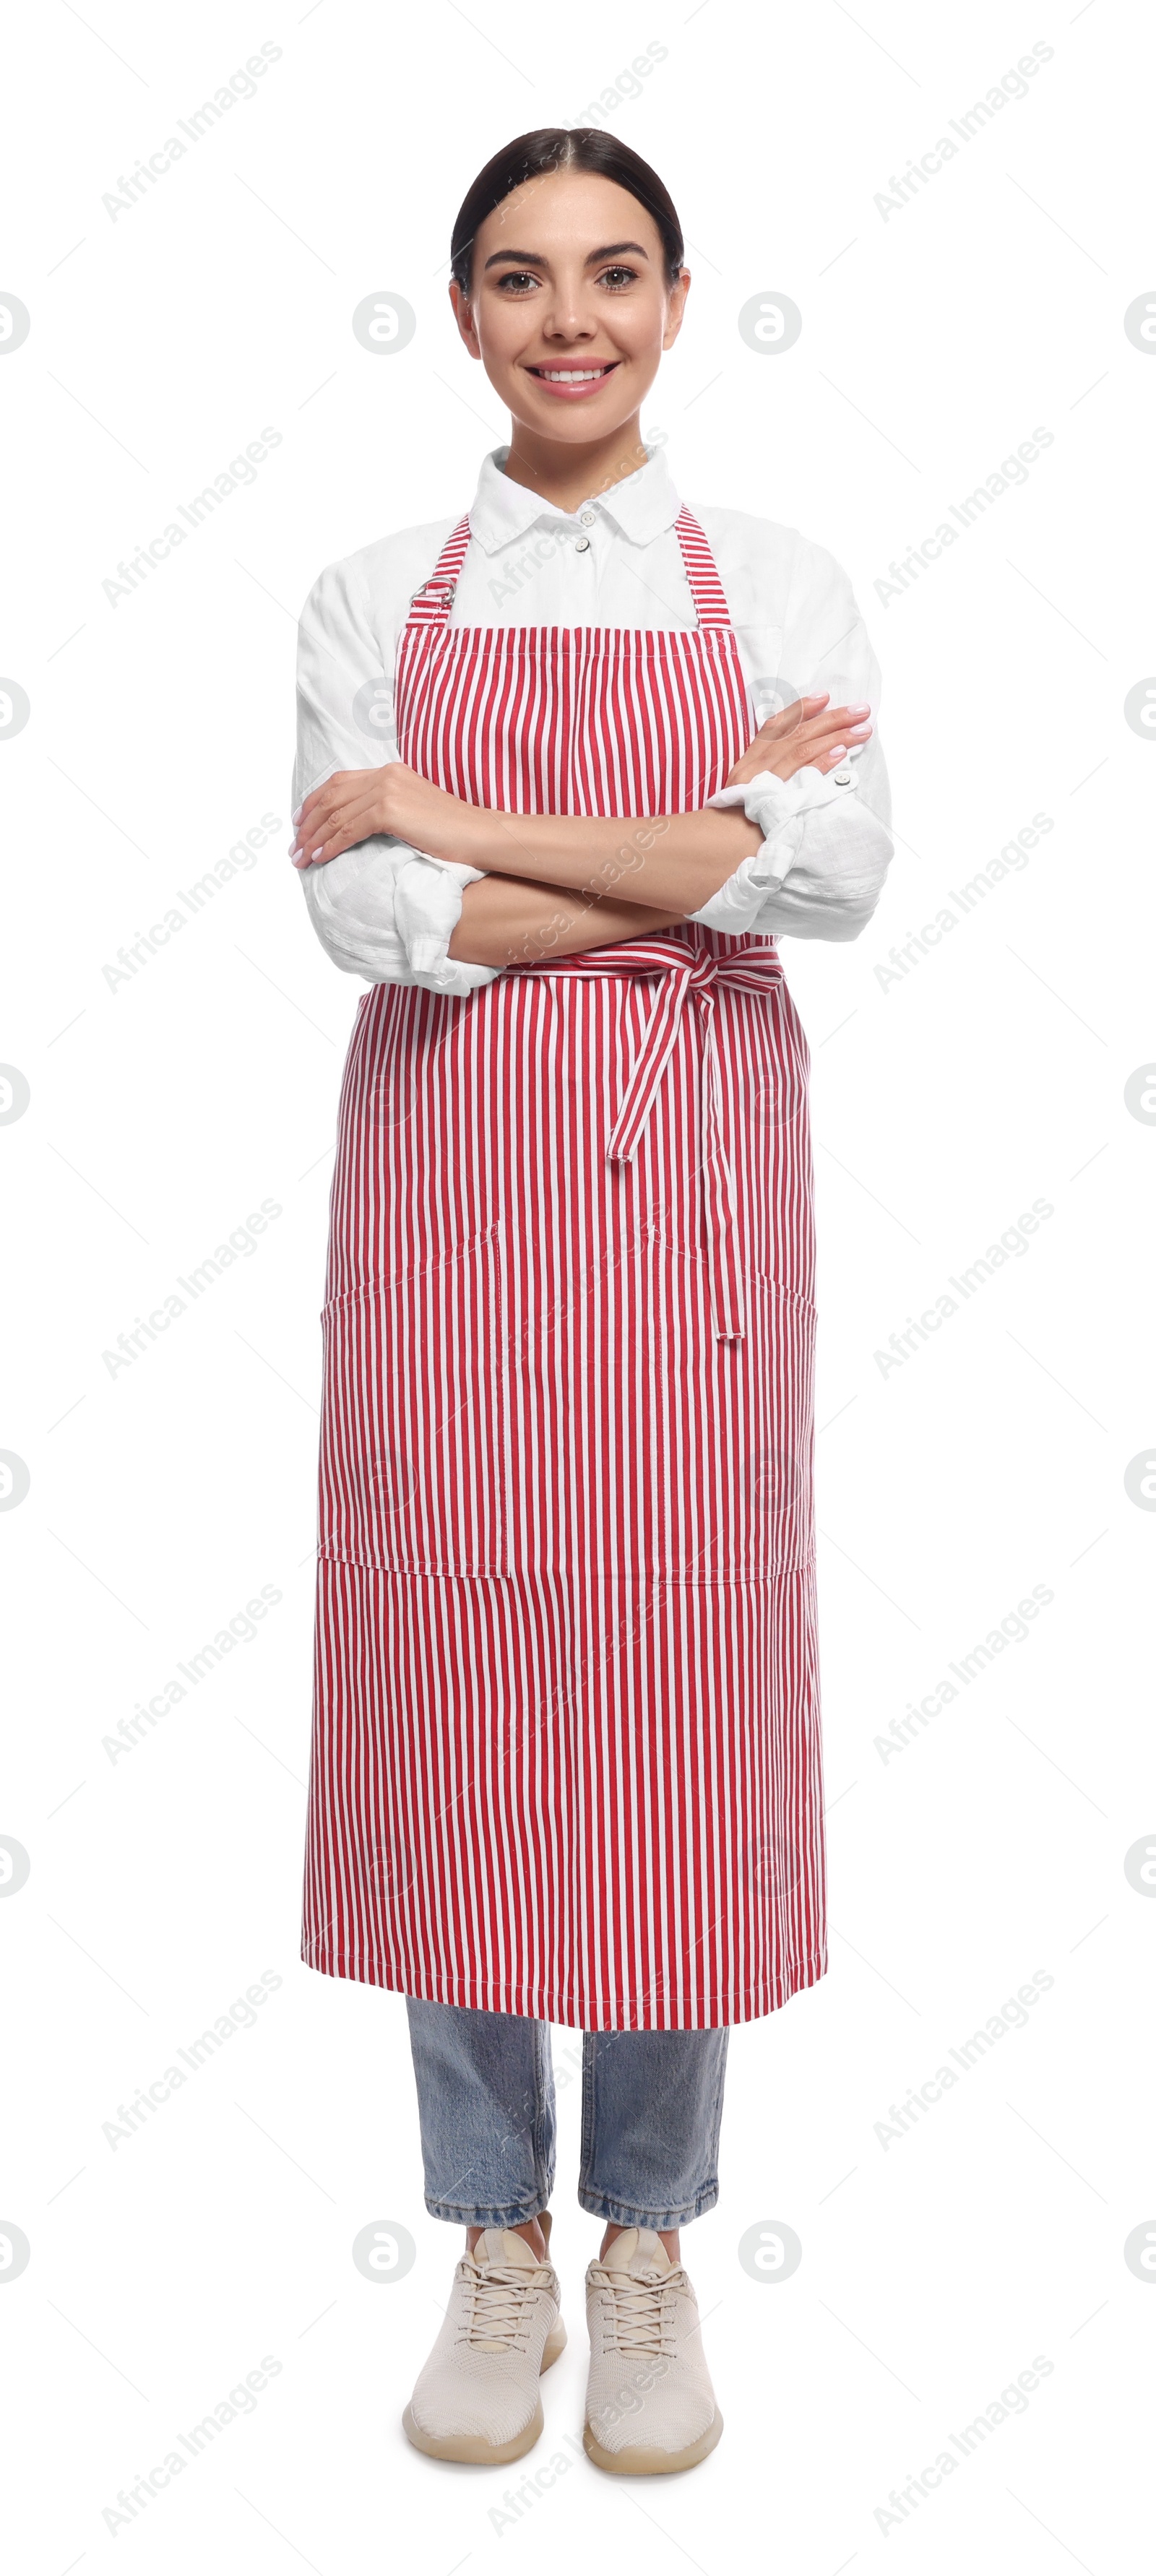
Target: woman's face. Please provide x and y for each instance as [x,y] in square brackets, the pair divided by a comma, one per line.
[570,310]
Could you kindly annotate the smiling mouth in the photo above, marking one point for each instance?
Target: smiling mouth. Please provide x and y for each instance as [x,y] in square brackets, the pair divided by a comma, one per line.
[574,375]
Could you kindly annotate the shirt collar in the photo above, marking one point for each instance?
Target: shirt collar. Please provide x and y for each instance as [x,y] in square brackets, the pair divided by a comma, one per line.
[641,506]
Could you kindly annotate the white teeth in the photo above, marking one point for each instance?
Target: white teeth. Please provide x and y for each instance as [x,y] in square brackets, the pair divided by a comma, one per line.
[570,375]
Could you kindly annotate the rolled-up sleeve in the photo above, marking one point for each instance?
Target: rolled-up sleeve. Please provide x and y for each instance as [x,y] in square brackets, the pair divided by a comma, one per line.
[382,910]
[836,853]
[840,853]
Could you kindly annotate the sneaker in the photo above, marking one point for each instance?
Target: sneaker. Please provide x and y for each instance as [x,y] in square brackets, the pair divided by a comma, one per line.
[477,2396]
[650,2406]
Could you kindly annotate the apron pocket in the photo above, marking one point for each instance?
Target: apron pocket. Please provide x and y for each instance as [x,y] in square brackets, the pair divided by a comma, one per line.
[412,1440]
[643,1449]
[773,1528]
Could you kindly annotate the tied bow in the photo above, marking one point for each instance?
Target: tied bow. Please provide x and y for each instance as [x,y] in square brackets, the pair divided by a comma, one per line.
[687,975]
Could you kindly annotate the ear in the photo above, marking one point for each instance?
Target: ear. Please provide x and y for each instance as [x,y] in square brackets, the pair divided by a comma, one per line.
[677,295]
[463,315]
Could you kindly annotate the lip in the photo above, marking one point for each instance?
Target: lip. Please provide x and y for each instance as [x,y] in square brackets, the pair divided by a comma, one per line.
[576,393]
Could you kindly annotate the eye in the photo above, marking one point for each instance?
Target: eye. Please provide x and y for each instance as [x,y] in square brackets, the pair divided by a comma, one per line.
[616,277]
[518,279]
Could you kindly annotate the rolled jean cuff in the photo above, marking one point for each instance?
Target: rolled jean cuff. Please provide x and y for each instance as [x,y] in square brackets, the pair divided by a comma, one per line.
[599,2205]
[511,2216]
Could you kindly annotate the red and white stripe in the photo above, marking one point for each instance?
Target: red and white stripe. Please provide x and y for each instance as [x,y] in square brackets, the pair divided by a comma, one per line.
[566,1748]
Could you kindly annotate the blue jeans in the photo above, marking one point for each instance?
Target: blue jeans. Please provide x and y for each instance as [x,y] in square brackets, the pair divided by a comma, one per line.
[651,2110]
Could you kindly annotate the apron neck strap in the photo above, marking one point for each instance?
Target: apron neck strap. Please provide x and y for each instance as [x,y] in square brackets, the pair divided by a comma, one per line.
[431,605]
[706,589]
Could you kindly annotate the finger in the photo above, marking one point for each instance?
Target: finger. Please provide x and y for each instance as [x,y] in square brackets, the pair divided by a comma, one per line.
[829,754]
[836,721]
[321,800]
[331,848]
[816,727]
[316,830]
[329,813]
[850,715]
[855,736]
[313,829]
[329,788]
[307,816]
[337,830]
[342,794]
[841,715]
[786,718]
[820,761]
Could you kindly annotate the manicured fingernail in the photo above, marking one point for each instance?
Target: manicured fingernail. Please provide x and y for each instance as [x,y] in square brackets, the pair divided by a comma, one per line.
[296,814]
[863,709]
[317,853]
[838,751]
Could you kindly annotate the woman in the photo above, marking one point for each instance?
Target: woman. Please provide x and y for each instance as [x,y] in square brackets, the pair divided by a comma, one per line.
[566,1761]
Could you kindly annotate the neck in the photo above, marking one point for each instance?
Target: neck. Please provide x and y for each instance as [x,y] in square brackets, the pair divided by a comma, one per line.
[567,476]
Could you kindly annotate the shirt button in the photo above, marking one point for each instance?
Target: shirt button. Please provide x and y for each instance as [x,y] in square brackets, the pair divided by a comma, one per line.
[582,545]
[587,519]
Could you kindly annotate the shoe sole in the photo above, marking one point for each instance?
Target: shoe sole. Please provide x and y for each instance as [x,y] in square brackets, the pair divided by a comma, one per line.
[646,2462]
[474,2446]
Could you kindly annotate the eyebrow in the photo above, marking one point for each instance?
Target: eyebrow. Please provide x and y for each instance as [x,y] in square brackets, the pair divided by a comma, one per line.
[534,258]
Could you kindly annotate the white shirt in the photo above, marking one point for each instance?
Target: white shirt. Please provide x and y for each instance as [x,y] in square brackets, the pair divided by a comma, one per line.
[387,913]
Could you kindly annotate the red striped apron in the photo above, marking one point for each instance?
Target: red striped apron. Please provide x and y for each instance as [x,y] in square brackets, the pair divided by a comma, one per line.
[566,1751]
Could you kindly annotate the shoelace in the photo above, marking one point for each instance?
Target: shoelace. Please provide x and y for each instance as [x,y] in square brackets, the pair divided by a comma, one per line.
[497,2302]
[641,2316]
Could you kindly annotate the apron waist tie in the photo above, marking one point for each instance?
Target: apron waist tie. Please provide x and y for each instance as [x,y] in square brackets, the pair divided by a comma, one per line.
[685,973]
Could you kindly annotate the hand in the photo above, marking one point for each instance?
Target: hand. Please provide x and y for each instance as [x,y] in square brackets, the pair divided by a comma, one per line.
[356,804]
[803,736]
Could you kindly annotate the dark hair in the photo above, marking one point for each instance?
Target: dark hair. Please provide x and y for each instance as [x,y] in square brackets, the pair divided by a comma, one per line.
[558,147]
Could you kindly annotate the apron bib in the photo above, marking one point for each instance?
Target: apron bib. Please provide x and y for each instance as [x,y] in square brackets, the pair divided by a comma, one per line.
[566,1755]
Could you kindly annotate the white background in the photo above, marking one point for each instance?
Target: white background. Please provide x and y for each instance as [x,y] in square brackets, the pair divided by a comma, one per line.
[935,2266]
